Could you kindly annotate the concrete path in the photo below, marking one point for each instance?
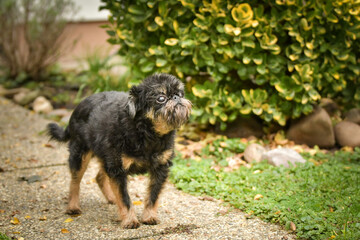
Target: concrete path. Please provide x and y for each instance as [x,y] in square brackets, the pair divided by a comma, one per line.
[34,181]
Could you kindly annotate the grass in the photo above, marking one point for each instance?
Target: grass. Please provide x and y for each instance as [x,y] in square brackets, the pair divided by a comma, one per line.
[318,200]
[3,236]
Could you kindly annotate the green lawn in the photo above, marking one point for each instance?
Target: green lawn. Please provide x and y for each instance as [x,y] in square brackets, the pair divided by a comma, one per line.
[320,198]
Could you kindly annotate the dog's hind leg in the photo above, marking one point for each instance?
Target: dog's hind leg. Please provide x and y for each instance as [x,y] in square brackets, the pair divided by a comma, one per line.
[78,162]
[102,180]
[158,177]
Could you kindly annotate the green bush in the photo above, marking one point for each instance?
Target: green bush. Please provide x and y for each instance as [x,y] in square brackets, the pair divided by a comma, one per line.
[274,59]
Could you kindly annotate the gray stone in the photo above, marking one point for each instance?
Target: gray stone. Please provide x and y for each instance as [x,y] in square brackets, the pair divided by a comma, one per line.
[313,129]
[283,156]
[347,134]
[26,97]
[253,152]
[42,105]
[353,115]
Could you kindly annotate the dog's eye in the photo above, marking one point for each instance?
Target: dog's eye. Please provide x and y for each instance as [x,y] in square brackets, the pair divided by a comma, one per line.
[161,99]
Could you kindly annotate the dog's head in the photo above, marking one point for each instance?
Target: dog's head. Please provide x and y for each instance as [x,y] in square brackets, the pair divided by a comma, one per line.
[160,98]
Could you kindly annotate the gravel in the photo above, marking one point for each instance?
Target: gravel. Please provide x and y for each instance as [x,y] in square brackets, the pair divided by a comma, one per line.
[34,181]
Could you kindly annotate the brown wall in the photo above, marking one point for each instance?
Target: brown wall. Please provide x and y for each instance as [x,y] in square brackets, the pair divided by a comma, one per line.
[82,39]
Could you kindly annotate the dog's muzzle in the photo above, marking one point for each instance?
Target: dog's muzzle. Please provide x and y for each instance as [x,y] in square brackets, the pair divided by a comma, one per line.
[176,112]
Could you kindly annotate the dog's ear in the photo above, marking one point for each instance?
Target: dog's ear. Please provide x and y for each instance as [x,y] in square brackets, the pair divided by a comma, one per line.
[130,107]
[133,101]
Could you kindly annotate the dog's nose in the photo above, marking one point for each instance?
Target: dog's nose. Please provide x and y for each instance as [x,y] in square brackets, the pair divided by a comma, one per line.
[176,98]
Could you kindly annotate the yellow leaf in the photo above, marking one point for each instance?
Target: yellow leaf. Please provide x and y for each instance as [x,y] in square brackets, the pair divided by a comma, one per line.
[43,218]
[137,202]
[171,41]
[15,221]
[27,217]
[64,230]
[68,220]
[258,197]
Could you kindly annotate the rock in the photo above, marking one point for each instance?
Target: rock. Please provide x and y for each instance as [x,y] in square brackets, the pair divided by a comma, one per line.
[253,152]
[60,112]
[353,115]
[283,156]
[9,93]
[243,128]
[41,104]
[329,106]
[347,134]
[313,129]
[26,97]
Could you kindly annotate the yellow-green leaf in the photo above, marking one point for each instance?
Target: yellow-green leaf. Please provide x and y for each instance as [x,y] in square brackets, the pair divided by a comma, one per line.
[242,13]
[159,21]
[171,41]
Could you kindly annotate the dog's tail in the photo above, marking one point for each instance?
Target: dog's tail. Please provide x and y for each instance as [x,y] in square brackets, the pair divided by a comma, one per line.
[58,133]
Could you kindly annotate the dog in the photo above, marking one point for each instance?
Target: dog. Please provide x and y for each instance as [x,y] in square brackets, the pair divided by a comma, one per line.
[129,133]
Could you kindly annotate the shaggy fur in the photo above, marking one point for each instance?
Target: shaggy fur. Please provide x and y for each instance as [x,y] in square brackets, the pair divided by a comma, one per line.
[129,134]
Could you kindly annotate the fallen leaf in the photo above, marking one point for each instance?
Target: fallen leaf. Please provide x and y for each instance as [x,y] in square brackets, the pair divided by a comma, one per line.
[104,229]
[292,226]
[207,198]
[68,220]
[332,237]
[331,209]
[278,212]
[258,197]
[137,202]
[48,145]
[64,230]
[43,218]
[2,210]
[28,217]
[15,221]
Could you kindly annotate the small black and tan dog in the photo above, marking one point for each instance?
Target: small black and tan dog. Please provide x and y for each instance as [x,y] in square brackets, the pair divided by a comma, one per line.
[130,133]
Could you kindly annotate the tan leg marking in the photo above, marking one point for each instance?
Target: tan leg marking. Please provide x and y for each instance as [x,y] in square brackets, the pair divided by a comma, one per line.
[76,176]
[165,156]
[150,214]
[127,161]
[127,216]
[103,181]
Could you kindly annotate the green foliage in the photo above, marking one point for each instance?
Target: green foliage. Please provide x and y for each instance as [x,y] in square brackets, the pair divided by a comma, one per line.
[100,75]
[270,58]
[320,197]
[3,236]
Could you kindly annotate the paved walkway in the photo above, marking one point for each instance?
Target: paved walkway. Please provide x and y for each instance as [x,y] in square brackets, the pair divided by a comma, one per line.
[34,181]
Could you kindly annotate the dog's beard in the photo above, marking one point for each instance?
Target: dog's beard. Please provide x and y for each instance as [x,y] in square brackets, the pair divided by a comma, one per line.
[171,116]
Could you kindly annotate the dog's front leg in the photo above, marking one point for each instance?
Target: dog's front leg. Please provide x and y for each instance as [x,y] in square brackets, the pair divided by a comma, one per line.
[157,179]
[126,211]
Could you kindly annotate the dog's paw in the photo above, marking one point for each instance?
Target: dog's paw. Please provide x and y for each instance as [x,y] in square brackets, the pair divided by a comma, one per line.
[130,224]
[150,221]
[75,211]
